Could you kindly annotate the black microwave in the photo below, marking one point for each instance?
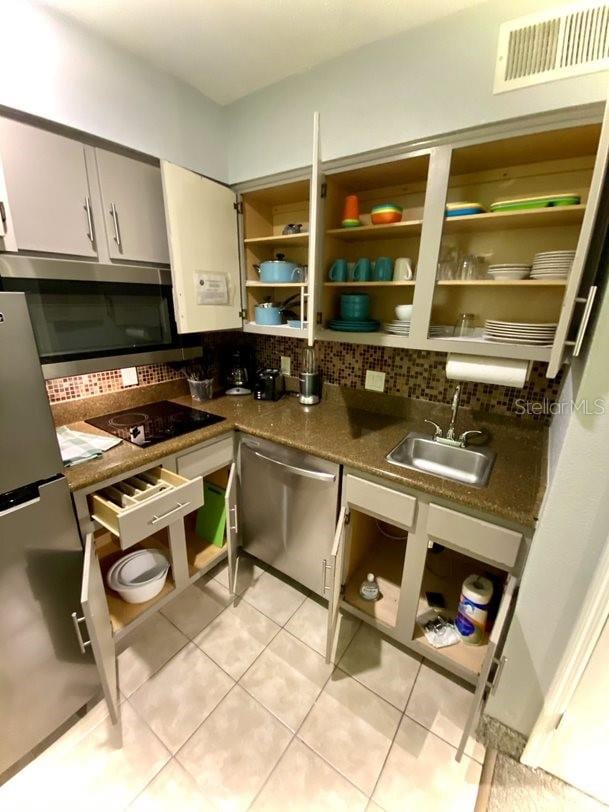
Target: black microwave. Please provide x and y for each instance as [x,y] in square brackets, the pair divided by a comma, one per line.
[88,317]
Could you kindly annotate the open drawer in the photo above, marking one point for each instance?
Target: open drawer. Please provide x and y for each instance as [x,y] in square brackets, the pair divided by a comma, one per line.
[140,505]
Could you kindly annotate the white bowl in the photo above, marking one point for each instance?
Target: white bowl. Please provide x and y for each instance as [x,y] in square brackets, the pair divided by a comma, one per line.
[403,312]
[151,565]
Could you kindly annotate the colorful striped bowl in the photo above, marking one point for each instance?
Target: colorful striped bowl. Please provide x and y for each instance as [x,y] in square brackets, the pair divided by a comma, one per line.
[386,213]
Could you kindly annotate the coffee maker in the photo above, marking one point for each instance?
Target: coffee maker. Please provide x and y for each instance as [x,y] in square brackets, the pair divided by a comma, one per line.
[237,378]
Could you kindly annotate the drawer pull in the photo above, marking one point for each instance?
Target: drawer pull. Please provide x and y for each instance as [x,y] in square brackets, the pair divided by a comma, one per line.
[82,644]
[161,516]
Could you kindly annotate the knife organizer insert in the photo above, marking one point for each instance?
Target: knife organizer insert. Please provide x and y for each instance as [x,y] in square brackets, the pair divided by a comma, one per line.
[137,506]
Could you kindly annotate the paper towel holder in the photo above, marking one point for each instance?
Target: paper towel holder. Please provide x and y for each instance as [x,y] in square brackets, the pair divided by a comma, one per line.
[512,372]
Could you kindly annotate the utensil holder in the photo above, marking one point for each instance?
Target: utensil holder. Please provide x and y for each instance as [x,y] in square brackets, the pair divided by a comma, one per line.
[201,390]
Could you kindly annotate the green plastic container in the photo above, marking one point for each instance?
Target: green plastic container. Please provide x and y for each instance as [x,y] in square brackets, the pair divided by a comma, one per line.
[211,517]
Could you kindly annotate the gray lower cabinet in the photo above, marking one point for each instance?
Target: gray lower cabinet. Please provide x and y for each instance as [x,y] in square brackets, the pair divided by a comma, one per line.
[134,215]
[417,550]
[165,519]
[48,192]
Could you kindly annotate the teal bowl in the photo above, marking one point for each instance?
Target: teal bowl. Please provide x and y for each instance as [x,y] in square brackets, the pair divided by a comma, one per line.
[355,306]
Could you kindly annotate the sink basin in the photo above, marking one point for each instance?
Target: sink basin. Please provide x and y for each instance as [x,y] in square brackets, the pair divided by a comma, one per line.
[420,452]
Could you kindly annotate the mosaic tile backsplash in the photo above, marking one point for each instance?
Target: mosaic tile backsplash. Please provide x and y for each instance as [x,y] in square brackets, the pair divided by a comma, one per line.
[411,373]
[76,387]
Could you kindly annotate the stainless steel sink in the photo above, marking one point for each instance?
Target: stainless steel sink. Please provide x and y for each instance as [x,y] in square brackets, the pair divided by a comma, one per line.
[420,452]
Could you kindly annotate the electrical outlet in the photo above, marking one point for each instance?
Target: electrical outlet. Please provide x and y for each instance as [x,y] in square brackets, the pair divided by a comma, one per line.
[286,365]
[129,376]
[375,380]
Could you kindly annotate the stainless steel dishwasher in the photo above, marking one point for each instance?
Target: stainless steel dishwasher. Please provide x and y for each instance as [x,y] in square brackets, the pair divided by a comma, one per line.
[288,503]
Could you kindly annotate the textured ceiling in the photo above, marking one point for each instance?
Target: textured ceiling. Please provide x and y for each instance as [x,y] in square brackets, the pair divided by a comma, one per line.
[230,48]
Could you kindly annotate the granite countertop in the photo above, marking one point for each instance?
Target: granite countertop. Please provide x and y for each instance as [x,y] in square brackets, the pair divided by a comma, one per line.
[356,429]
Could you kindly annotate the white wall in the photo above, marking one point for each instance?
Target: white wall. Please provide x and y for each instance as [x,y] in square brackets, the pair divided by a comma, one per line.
[52,68]
[430,80]
[571,535]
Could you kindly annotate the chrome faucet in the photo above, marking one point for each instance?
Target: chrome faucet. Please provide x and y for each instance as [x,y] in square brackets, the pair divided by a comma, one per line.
[449,439]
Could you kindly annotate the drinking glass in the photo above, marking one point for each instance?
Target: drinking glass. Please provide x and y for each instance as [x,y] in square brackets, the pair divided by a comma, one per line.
[464,326]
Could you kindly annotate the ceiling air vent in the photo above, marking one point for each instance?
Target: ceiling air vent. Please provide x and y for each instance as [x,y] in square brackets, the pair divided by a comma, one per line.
[567,41]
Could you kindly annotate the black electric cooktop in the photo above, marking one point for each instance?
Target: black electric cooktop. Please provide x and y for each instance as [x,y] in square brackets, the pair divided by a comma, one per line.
[154,422]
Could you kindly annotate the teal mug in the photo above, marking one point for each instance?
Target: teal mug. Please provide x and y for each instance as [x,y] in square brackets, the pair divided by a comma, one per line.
[383,269]
[339,271]
[362,272]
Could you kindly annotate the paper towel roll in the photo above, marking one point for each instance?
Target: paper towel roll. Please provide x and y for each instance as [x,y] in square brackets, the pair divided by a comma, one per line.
[481,369]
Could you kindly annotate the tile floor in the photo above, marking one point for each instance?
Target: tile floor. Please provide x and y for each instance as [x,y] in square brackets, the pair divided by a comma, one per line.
[230,705]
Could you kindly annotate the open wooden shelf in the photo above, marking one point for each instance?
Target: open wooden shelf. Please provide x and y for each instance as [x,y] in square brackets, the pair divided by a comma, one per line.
[391,284]
[279,239]
[527,283]
[254,284]
[405,228]
[446,577]
[201,553]
[526,218]
[274,329]
[108,552]
[370,551]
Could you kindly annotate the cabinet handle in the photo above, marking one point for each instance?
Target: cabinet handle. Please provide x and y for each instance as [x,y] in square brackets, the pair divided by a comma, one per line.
[159,518]
[581,333]
[295,469]
[2,219]
[117,233]
[235,527]
[89,220]
[82,644]
[324,572]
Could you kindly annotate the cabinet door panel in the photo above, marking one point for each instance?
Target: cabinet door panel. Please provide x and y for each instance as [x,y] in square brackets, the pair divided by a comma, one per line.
[48,190]
[99,627]
[334,567]
[315,235]
[583,254]
[232,527]
[495,641]
[203,244]
[132,198]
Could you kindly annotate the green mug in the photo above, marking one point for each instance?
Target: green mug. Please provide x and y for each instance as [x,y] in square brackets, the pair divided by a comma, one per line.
[362,272]
[383,269]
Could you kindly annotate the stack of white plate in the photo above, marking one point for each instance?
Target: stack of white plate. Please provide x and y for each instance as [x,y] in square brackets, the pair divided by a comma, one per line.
[139,576]
[517,332]
[402,328]
[509,270]
[552,264]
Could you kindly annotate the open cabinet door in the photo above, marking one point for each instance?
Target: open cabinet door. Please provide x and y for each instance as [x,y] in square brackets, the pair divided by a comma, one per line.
[315,235]
[334,566]
[99,626]
[202,232]
[591,236]
[495,641]
[232,527]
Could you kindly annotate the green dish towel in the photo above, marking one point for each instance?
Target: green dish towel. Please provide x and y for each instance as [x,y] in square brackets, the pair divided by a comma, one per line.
[211,517]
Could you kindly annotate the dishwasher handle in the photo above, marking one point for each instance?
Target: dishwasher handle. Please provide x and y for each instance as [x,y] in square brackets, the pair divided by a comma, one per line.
[320,475]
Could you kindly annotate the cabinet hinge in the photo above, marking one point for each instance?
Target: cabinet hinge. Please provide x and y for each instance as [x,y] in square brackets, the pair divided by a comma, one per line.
[324,189]
[243,314]
[318,317]
[2,212]
[238,206]
[347,518]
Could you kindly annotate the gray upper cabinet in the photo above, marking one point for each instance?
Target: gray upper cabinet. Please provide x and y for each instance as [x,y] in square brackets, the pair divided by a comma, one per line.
[48,206]
[134,216]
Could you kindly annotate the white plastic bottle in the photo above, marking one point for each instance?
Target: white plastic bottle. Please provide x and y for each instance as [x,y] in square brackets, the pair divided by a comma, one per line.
[369,590]
[470,622]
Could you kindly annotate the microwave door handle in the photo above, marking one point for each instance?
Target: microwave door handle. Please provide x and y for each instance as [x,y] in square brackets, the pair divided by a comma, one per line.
[319,475]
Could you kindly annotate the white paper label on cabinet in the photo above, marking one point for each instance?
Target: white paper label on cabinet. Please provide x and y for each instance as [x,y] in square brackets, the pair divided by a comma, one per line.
[212,288]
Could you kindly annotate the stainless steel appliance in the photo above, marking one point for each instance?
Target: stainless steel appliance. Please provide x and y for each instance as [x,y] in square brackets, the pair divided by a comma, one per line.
[309,380]
[153,423]
[44,678]
[269,384]
[87,316]
[288,509]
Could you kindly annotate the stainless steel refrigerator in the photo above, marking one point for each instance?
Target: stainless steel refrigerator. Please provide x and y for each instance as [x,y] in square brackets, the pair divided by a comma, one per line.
[44,675]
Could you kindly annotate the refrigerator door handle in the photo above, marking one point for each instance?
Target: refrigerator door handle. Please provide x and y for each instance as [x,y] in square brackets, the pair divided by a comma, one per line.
[82,644]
